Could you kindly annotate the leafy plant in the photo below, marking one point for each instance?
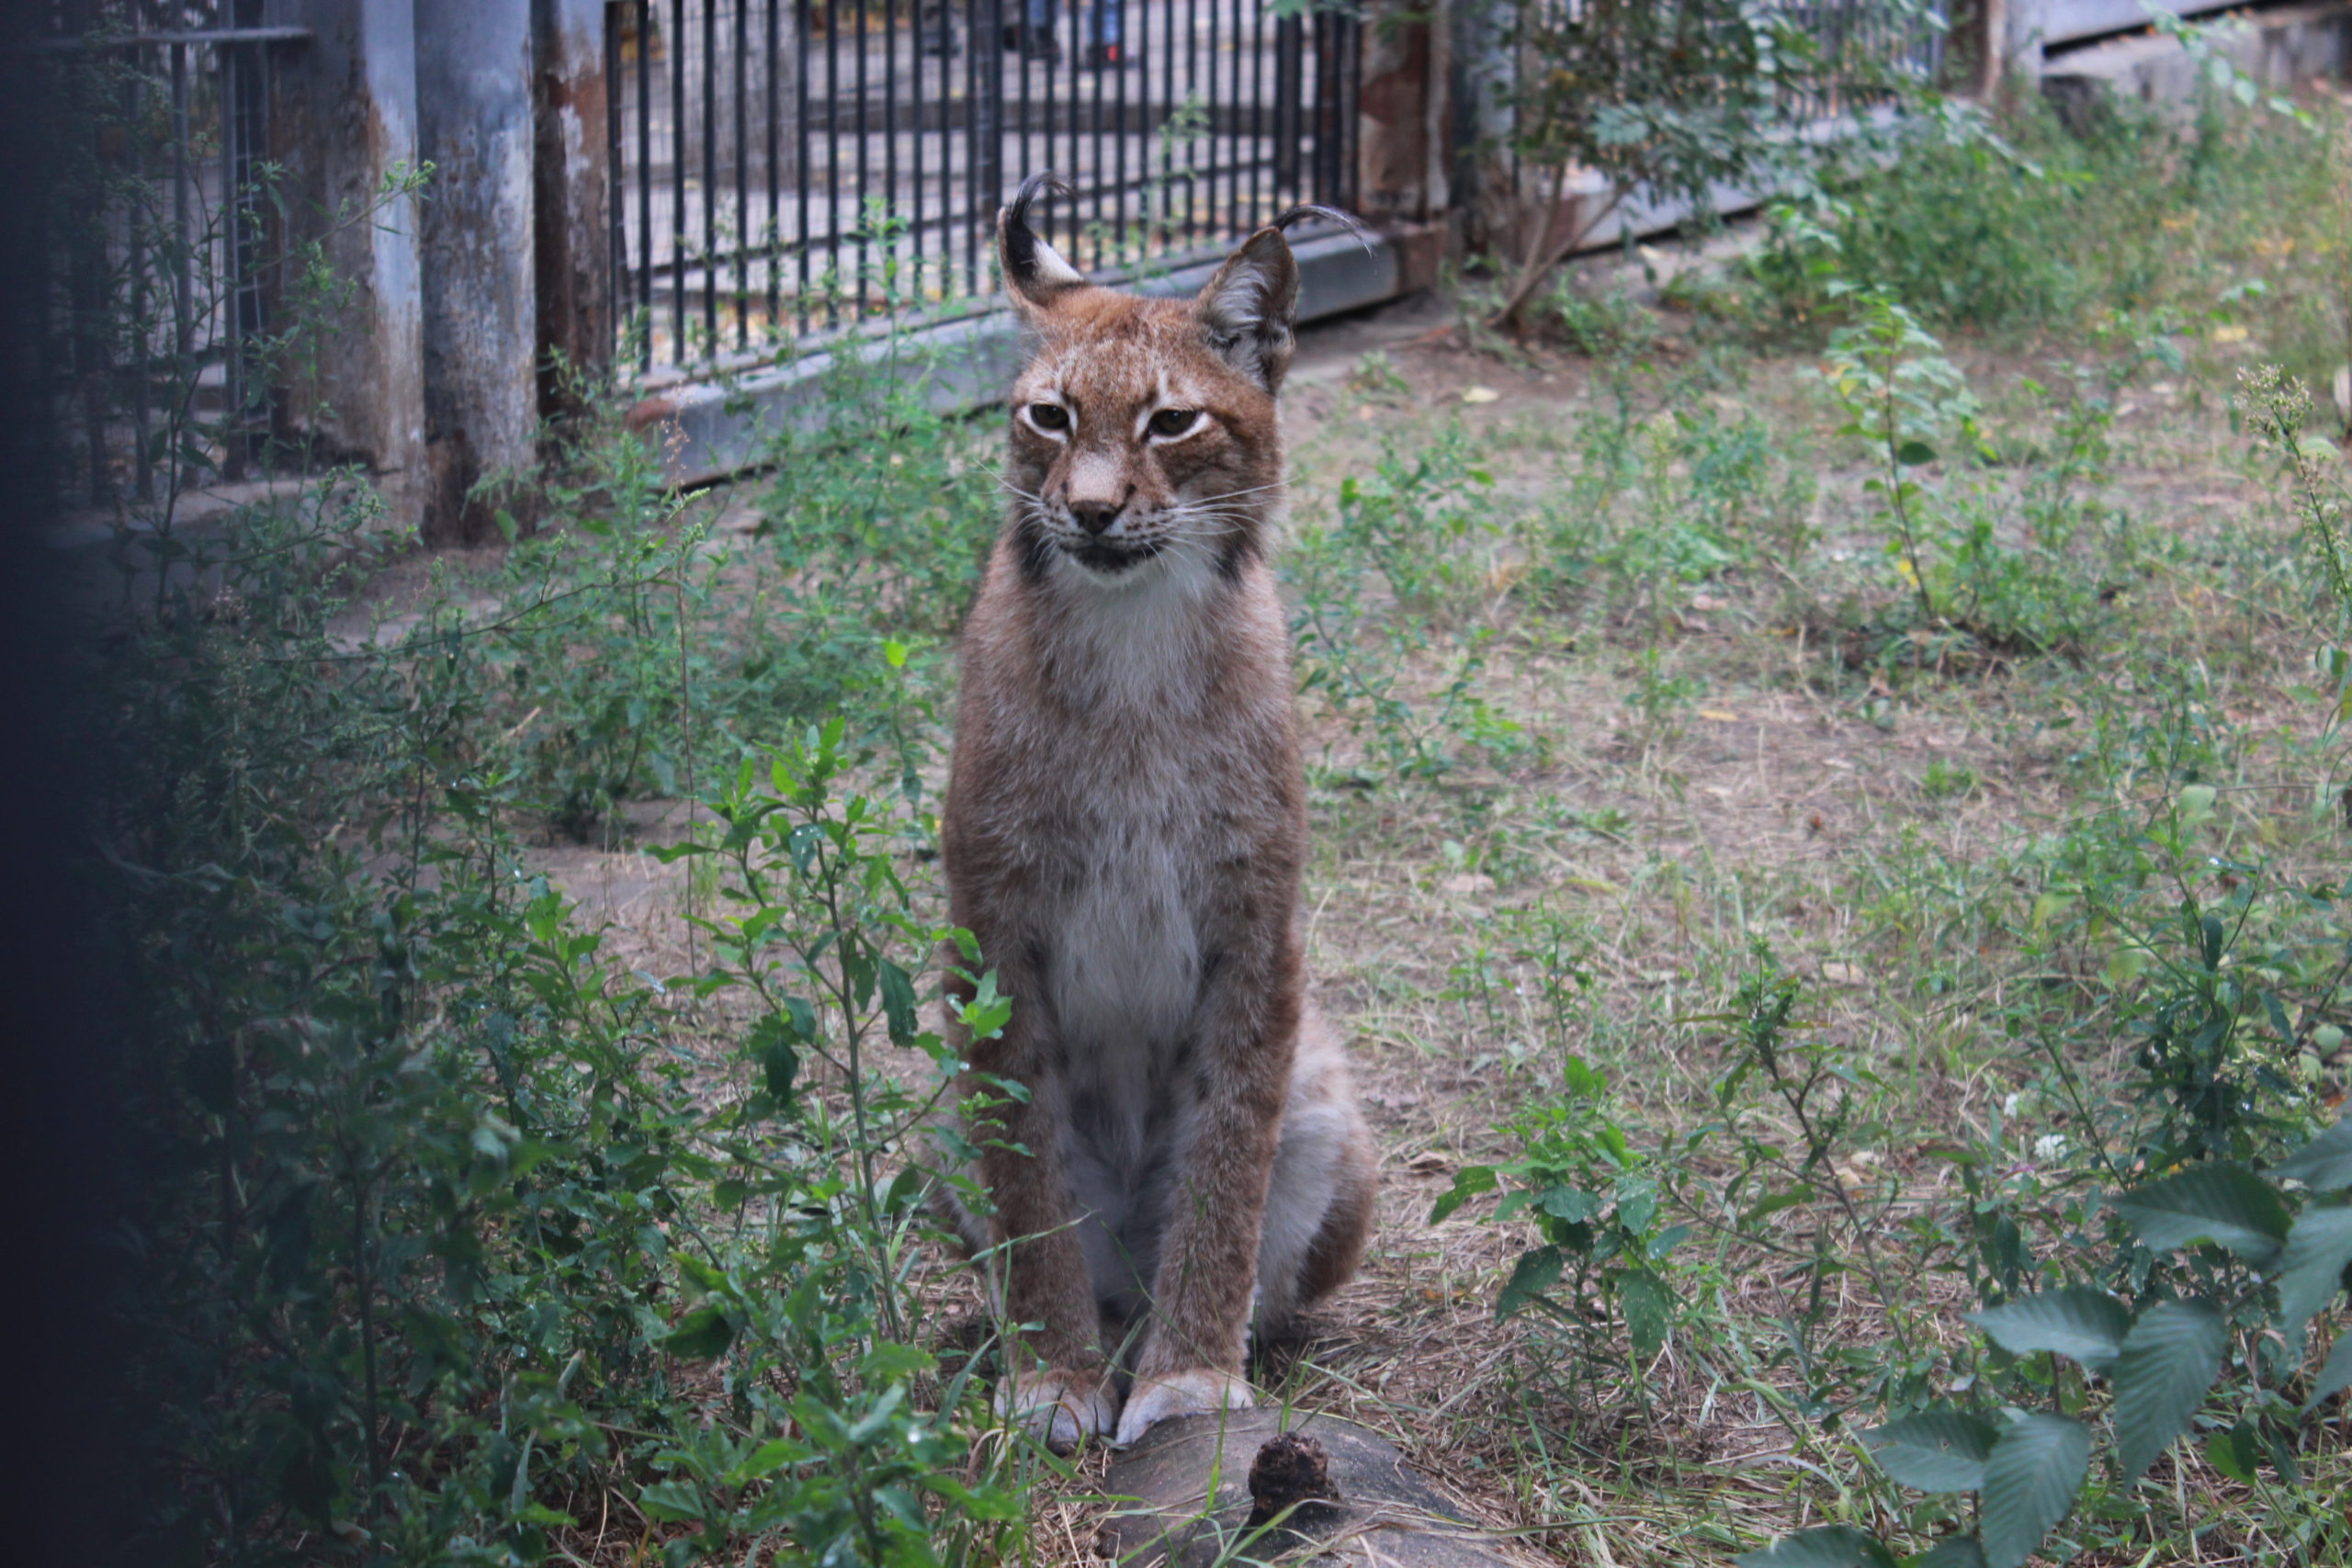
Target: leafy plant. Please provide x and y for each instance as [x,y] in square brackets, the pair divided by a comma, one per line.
[2274,1269]
[1663,101]
[1593,1200]
[1410,531]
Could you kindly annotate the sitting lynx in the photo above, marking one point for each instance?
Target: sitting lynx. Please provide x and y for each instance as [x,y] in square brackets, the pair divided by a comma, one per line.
[1125,833]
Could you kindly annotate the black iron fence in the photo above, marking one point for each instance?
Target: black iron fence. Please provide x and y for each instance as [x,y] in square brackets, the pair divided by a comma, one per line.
[157,222]
[786,167]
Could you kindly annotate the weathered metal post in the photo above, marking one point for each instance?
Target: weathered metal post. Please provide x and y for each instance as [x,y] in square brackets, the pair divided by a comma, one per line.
[343,124]
[481,341]
[573,169]
[2015,30]
[1482,68]
[1401,171]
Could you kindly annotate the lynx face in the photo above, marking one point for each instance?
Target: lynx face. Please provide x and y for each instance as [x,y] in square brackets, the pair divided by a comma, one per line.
[1144,439]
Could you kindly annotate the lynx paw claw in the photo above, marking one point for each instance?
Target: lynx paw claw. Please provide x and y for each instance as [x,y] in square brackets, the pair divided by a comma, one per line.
[1059,1408]
[1192,1391]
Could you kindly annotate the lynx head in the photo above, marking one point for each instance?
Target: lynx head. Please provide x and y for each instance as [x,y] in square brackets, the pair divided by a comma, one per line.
[1145,442]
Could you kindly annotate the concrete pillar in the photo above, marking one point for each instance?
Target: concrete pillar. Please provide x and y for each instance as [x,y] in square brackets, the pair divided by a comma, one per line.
[474,97]
[344,118]
[2017,26]
[1483,65]
[573,168]
[1402,107]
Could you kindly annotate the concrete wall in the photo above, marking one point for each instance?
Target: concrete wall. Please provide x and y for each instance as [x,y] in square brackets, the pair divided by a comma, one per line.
[474,123]
[343,121]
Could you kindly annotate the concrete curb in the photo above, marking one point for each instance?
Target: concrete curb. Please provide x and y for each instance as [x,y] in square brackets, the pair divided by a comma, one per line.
[707,429]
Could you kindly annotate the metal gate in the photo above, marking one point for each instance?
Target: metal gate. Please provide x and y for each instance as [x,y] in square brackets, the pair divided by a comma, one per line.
[787,168]
[157,230]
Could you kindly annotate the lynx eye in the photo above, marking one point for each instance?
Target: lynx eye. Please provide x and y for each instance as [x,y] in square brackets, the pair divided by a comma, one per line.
[1170,423]
[1051,418]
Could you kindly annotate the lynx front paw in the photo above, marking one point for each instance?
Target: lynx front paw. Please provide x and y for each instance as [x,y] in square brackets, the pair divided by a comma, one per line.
[1058,1407]
[1191,1391]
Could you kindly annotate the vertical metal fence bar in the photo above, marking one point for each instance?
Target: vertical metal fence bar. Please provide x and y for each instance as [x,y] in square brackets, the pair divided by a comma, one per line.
[1083,52]
[1287,153]
[772,241]
[743,235]
[616,168]
[864,185]
[892,283]
[1214,101]
[143,460]
[832,161]
[1066,165]
[678,179]
[988,176]
[232,285]
[643,325]
[1122,240]
[183,282]
[915,286]
[980,40]
[1324,118]
[1165,150]
[1265,175]
[709,175]
[803,239]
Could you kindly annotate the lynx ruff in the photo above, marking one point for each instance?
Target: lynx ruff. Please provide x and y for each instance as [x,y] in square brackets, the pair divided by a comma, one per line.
[1125,833]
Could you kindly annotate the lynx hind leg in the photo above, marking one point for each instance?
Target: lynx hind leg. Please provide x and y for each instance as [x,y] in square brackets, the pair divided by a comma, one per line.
[1319,1198]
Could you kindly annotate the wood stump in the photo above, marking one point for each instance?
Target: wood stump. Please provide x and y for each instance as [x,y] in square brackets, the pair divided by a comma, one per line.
[1258,1485]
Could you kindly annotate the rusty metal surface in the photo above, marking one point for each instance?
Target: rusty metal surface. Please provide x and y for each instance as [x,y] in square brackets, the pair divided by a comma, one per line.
[1394,156]
[574,172]
[344,118]
[474,122]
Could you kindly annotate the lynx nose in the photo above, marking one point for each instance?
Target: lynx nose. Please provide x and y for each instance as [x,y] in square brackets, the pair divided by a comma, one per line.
[1095,515]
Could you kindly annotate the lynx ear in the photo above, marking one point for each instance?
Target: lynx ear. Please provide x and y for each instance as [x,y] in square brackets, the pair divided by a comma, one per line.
[1035,273]
[1247,307]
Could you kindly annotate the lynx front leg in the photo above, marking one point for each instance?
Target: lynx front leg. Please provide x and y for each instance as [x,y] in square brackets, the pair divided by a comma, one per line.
[1055,1384]
[1208,1265]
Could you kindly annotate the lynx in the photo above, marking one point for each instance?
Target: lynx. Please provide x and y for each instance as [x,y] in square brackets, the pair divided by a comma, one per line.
[1125,833]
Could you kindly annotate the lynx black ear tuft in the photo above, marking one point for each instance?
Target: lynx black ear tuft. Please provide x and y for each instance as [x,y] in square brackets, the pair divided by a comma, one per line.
[1034,271]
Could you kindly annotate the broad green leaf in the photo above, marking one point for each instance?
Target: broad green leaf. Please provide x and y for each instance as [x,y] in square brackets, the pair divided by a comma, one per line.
[2336,1375]
[2086,1325]
[1569,1204]
[2311,1268]
[675,1502]
[877,1421]
[2323,1165]
[2170,1359]
[2030,1484]
[1468,1182]
[1913,453]
[1936,1450]
[1537,1272]
[898,1002]
[2225,1204]
[702,1335]
[1649,1312]
[2235,1453]
[767,1458]
[890,1360]
[1953,1552]
[1829,1546]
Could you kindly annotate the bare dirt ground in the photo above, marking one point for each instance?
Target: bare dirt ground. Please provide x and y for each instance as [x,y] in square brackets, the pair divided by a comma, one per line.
[1769,801]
